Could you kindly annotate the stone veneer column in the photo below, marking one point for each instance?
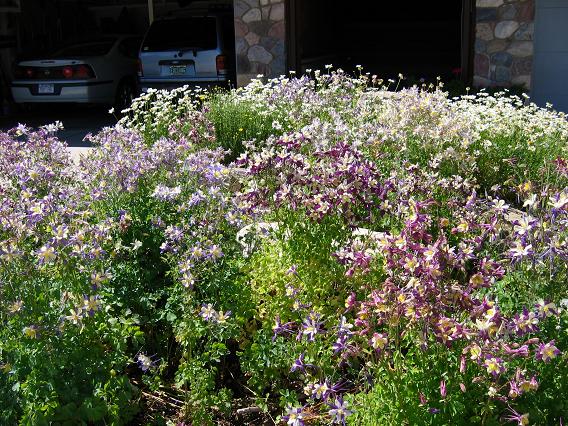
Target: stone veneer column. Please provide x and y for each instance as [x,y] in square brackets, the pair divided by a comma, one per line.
[260,32]
[503,43]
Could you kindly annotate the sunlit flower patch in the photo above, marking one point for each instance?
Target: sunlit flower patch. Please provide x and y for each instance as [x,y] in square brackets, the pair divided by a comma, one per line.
[316,250]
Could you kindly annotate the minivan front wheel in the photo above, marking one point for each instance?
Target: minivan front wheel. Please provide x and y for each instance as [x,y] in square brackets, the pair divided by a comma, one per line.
[125,94]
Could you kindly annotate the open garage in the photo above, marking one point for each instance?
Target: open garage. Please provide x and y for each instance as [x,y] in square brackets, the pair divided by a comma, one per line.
[425,40]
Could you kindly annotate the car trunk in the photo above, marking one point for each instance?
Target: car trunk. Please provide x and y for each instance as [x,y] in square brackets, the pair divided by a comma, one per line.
[172,65]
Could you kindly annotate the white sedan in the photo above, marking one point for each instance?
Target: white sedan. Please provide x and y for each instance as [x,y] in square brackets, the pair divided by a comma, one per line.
[100,71]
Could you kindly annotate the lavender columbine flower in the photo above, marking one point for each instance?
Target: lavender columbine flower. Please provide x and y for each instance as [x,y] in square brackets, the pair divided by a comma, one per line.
[339,411]
[145,362]
[91,304]
[344,328]
[293,270]
[207,312]
[75,316]
[294,416]
[46,254]
[164,193]
[321,390]
[99,278]
[546,309]
[222,317]
[547,352]
[215,252]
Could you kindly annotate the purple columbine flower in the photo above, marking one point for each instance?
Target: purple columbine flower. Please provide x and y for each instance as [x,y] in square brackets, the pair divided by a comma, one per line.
[339,411]
[520,419]
[340,344]
[294,416]
[311,326]
[278,328]
[300,365]
[494,365]
[516,352]
[547,352]
[527,322]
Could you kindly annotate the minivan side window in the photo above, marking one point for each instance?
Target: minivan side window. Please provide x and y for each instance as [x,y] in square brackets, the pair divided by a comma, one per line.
[179,33]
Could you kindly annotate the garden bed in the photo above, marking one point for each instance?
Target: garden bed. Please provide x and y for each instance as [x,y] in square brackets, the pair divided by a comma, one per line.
[311,250]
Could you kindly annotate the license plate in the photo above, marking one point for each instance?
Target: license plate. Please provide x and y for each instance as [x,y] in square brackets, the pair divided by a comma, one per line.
[45,88]
[177,69]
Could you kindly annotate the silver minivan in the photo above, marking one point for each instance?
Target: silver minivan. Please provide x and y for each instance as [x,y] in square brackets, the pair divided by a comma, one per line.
[192,50]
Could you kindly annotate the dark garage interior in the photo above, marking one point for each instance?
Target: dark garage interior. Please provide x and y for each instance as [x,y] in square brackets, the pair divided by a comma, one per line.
[418,39]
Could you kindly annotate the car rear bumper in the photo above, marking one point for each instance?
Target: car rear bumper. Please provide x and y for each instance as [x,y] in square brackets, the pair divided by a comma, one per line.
[169,84]
[64,92]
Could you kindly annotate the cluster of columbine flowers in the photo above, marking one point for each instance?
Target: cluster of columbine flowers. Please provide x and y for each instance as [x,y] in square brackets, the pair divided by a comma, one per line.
[56,222]
[422,299]
[334,179]
[443,250]
[431,288]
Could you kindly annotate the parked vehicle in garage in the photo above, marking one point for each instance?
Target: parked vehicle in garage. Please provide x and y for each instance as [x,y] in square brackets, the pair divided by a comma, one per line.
[97,71]
[192,50]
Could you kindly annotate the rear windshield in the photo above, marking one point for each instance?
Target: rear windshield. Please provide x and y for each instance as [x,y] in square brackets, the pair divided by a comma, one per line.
[181,33]
[85,49]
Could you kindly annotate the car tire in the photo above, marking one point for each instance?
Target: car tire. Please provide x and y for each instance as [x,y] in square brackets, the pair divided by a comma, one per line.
[125,94]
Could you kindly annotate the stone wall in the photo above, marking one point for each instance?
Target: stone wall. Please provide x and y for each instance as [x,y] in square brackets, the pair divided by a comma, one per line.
[260,33]
[503,43]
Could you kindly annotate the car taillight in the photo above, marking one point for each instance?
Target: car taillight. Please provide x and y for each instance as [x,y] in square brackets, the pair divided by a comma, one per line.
[78,72]
[83,71]
[67,72]
[24,72]
[221,62]
[140,69]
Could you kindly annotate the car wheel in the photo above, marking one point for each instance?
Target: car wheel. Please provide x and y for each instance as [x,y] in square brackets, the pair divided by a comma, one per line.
[125,94]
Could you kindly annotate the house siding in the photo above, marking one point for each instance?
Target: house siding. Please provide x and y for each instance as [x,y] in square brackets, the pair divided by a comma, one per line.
[504,33]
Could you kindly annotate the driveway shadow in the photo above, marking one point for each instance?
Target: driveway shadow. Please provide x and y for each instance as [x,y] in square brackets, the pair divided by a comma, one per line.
[78,120]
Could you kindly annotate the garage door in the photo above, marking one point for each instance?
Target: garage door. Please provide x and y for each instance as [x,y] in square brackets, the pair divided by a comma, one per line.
[550,73]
